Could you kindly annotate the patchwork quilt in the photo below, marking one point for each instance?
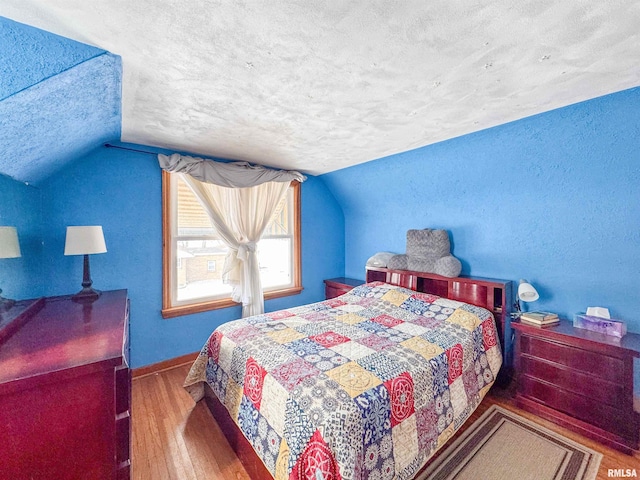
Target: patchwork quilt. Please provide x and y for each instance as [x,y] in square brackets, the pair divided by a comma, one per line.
[367,385]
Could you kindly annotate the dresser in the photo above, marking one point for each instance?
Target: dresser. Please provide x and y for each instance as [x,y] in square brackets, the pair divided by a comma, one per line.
[65,391]
[580,379]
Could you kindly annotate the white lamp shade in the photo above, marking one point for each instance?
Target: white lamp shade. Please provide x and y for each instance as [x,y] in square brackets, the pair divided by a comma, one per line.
[526,292]
[84,241]
[9,246]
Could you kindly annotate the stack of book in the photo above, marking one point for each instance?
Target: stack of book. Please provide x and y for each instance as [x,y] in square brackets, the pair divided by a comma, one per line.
[541,319]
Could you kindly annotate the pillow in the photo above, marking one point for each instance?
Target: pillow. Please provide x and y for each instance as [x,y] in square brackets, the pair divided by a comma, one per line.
[380,259]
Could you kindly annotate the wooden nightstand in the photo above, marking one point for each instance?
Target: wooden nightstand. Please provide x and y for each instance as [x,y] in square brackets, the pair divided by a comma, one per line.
[579,379]
[334,287]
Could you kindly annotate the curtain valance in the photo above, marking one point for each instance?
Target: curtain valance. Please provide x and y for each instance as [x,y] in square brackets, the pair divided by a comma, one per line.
[232,175]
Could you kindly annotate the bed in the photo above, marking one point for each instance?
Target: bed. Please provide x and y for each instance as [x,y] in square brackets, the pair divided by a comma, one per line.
[366,385]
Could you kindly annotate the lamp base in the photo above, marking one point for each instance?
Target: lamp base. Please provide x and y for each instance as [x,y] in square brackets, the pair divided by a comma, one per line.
[86,295]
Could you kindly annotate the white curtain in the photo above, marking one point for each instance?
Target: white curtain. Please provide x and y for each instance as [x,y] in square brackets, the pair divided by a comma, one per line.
[240,216]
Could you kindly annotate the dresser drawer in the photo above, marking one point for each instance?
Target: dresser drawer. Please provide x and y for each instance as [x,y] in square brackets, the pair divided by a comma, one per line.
[124,472]
[123,389]
[573,380]
[581,407]
[592,363]
[123,441]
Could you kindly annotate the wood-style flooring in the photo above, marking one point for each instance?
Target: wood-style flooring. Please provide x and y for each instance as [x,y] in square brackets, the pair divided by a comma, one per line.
[175,439]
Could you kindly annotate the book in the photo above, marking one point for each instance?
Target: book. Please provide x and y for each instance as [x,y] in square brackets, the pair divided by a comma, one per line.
[547,323]
[539,317]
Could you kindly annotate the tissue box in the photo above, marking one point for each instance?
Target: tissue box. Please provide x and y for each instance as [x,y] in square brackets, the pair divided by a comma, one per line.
[614,328]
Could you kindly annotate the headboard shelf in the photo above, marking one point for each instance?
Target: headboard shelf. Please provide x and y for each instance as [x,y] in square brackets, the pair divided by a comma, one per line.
[492,294]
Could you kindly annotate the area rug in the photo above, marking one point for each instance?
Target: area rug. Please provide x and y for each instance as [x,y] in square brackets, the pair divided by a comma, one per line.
[502,445]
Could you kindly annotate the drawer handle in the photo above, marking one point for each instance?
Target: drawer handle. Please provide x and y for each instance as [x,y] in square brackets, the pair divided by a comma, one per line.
[123,415]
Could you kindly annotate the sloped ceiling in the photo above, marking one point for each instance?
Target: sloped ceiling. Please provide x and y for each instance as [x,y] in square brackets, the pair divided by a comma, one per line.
[58,120]
[59,99]
[29,55]
[318,86]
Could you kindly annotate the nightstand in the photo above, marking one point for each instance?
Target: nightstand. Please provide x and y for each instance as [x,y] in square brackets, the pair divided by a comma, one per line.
[334,287]
[579,379]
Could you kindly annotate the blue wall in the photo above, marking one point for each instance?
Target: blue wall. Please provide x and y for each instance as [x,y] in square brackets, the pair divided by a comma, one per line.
[59,99]
[60,118]
[554,198]
[29,55]
[21,278]
[121,191]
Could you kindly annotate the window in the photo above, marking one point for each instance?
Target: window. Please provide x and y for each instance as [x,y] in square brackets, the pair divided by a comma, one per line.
[193,255]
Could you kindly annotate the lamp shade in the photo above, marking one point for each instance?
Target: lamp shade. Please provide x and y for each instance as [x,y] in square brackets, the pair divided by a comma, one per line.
[9,246]
[84,241]
[526,292]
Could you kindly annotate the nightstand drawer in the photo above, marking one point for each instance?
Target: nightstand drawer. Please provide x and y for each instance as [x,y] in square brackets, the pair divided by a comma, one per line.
[592,363]
[573,381]
[578,406]
[332,292]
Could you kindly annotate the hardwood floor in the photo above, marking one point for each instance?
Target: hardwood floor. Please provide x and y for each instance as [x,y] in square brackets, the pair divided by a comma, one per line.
[175,439]
[172,437]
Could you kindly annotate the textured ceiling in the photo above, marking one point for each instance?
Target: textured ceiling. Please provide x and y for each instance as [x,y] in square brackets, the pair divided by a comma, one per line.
[52,123]
[318,86]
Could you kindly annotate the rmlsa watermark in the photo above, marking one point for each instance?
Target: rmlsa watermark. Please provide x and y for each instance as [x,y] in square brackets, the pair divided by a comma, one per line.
[622,473]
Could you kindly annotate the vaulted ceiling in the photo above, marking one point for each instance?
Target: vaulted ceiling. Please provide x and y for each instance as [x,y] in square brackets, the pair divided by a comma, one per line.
[319,86]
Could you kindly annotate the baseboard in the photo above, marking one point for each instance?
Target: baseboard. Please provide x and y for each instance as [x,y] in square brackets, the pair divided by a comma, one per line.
[164,365]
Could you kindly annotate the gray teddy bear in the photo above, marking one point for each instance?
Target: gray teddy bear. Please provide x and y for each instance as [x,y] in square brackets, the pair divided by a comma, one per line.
[428,250]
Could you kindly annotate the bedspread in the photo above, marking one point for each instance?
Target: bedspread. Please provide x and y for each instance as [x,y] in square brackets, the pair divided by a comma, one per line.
[367,385]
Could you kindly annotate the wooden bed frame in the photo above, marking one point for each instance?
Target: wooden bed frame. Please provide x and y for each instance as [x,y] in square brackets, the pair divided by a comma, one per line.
[494,295]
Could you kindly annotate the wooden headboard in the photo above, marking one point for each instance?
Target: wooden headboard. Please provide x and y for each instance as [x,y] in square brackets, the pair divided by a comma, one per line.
[494,295]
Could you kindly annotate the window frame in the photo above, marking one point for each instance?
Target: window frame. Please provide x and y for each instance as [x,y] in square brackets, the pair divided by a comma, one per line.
[169,310]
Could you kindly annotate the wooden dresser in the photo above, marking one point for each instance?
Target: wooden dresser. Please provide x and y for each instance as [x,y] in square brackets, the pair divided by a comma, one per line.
[65,391]
[580,379]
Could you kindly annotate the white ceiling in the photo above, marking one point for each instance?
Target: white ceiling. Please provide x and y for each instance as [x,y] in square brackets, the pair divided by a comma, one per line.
[320,85]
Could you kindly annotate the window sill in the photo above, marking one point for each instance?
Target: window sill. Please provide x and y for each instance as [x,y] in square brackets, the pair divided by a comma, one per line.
[172,312]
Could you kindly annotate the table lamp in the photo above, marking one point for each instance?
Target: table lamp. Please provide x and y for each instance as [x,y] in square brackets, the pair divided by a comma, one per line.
[526,293]
[9,248]
[85,241]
